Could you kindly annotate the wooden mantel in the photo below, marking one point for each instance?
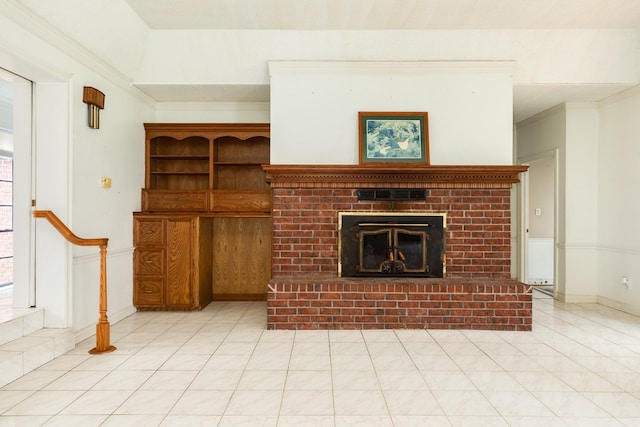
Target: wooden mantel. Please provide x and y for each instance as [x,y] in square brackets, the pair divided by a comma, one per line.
[392,176]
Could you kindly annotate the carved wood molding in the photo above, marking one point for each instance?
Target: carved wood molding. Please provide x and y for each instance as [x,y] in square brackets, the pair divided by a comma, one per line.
[392,176]
[207,130]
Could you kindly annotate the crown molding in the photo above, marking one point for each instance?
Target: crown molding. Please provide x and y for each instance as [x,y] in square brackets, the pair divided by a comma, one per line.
[39,71]
[386,67]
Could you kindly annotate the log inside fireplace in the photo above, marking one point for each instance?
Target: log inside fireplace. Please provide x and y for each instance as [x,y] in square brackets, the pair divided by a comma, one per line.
[383,244]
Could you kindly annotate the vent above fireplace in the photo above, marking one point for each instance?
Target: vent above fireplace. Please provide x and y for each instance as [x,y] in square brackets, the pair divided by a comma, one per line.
[392,194]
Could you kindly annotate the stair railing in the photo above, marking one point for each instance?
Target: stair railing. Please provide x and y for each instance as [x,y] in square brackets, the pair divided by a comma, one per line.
[102,327]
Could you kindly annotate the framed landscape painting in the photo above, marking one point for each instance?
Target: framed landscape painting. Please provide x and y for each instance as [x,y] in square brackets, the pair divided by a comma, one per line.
[393,137]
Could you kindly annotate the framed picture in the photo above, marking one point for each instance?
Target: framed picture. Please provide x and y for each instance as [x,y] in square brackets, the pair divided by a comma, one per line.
[393,137]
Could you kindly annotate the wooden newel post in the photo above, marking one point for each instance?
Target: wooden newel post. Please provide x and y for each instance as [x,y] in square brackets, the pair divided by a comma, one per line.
[102,328]
[103,332]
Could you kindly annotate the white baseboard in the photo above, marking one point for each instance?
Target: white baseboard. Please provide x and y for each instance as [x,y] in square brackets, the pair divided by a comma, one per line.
[577,299]
[619,306]
[596,299]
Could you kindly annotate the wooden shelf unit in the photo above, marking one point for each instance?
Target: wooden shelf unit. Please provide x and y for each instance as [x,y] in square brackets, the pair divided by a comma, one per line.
[178,165]
[212,176]
[187,164]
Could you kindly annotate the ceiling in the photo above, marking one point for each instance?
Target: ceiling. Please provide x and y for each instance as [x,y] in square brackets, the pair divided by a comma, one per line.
[392,15]
[387,14]
[379,15]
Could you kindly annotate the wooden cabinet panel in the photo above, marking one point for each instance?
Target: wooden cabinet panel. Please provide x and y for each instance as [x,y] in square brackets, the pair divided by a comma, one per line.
[241,201]
[179,262]
[232,150]
[241,258]
[174,201]
[202,268]
[240,177]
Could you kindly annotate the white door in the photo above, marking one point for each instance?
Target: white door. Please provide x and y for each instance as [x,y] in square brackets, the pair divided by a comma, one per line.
[539,220]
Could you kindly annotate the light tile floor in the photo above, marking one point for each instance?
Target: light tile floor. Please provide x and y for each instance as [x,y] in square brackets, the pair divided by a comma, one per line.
[219,367]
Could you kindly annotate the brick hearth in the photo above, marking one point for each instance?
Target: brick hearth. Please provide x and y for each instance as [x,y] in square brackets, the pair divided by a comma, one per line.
[308,303]
[305,292]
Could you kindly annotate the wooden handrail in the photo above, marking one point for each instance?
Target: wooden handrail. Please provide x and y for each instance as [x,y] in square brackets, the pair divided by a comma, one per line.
[103,331]
[66,233]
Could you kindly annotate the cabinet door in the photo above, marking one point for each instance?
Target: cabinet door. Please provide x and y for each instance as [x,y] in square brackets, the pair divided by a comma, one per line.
[179,291]
[242,258]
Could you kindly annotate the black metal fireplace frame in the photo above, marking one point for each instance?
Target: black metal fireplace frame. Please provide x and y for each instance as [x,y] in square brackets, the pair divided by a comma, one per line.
[352,233]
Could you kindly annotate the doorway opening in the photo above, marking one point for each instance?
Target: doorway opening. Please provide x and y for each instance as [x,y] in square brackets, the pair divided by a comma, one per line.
[539,219]
[16,287]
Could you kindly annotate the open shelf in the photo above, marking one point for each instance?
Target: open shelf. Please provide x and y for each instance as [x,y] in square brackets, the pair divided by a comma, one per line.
[182,158]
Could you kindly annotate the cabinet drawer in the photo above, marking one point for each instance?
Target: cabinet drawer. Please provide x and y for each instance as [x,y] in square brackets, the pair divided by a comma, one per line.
[241,201]
[148,232]
[184,201]
[149,261]
[149,291]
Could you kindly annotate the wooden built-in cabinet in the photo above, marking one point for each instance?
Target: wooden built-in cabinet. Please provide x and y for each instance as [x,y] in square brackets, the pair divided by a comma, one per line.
[205,228]
[173,261]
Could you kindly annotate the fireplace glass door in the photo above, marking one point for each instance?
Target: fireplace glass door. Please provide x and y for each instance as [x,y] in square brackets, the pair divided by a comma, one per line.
[392,250]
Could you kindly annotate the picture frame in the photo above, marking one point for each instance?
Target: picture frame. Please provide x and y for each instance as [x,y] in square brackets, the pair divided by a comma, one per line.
[393,137]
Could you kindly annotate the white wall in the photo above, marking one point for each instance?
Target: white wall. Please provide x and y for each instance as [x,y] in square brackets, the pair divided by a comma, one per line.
[597,226]
[212,112]
[70,159]
[315,105]
[116,151]
[581,213]
[617,201]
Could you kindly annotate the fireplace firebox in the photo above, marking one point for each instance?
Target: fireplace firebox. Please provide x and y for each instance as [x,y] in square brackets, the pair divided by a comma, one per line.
[392,244]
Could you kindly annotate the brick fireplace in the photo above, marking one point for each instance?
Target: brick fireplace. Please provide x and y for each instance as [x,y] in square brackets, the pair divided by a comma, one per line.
[305,291]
